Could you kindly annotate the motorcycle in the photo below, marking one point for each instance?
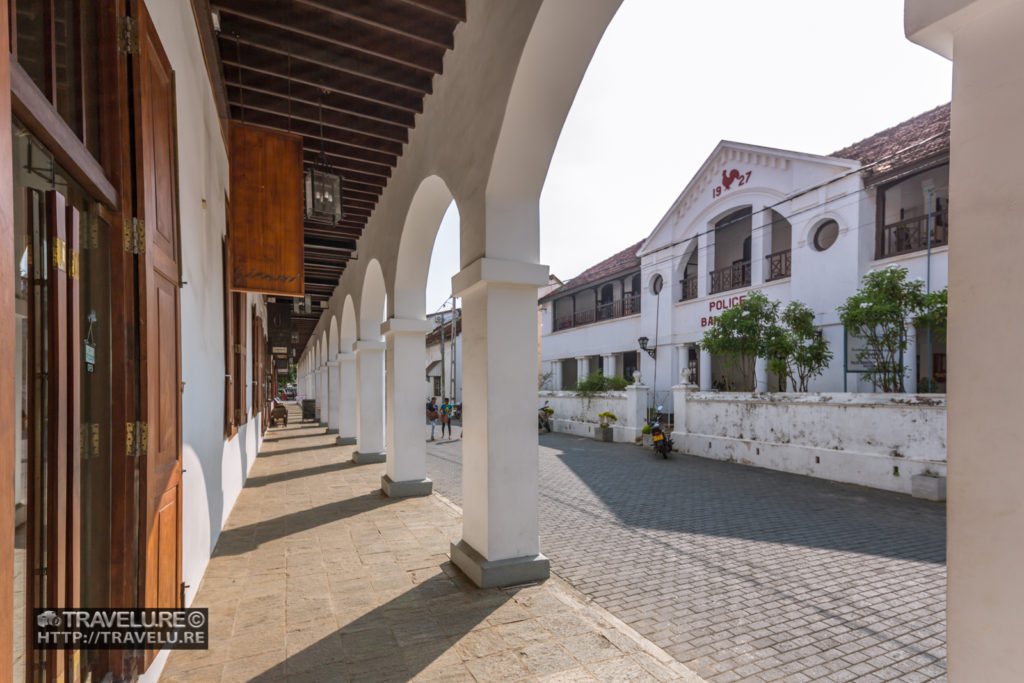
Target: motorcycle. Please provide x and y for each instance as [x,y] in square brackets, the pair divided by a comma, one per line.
[544,417]
[661,440]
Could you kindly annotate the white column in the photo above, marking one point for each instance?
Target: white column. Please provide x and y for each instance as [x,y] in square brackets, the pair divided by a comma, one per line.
[760,375]
[705,370]
[406,446]
[610,369]
[582,368]
[985,513]
[332,397]
[760,245]
[500,539]
[705,261]
[681,397]
[320,395]
[370,403]
[556,375]
[347,392]
[910,361]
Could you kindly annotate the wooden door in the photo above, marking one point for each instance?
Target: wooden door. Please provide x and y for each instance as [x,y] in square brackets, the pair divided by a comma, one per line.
[159,320]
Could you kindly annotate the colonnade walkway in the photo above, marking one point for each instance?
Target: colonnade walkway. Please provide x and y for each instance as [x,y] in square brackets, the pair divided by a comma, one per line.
[742,573]
[319,577]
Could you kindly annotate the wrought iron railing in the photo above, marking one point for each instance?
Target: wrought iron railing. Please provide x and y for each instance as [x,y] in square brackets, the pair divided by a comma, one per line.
[688,288]
[778,265]
[619,308]
[911,234]
[731,277]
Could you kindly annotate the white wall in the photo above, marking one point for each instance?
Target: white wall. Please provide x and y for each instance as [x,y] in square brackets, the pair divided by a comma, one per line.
[214,471]
[877,440]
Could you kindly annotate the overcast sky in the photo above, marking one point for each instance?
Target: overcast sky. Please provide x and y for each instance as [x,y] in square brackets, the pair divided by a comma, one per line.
[673,77]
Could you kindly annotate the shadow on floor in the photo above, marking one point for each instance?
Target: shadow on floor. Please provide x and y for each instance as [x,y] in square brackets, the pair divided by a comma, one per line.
[696,495]
[300,449]
[242,539]
[299,474]
[399,639]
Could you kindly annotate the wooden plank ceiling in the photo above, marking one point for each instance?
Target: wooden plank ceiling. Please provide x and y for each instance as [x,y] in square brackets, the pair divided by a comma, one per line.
[365,66]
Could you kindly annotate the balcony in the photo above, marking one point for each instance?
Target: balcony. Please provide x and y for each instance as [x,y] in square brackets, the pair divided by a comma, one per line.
[688,288]
[619,308]
[778,265]
[731,277]
[911,234]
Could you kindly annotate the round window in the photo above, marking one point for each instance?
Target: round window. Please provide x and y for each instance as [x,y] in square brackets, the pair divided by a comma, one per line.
[656,284]
[825,235]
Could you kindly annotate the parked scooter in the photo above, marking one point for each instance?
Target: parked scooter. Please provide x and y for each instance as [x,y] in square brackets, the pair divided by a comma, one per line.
[544,417]
[661,440]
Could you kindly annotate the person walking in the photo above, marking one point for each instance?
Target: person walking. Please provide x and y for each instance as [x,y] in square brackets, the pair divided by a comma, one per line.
[446,417]
[432,415]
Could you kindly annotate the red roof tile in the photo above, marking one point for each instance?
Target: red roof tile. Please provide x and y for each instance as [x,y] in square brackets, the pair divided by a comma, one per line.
[621,262]
[904,144]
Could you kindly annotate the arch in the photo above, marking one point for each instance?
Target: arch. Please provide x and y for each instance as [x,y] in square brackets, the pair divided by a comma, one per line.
[561,43]
[348,332]
[416,243]
[372,302]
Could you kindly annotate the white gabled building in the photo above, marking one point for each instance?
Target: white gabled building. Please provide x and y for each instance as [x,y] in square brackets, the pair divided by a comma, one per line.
[788,224]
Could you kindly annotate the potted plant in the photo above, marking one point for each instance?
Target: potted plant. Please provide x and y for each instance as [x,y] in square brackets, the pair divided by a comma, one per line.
[648,439]
[604,431]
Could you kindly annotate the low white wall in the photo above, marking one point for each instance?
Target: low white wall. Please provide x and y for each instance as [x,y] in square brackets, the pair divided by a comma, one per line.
[877,440]
[578,415]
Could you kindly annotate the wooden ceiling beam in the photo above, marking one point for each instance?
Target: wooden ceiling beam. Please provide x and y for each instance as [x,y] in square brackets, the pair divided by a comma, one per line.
[300,110]
[322,52]
[453,9]
[353,232]
[311,131]
[332,98]
[398,17]
[320,25]
[321,77]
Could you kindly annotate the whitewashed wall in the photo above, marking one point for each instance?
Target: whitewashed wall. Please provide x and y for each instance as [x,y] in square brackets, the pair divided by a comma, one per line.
[214,469]
[577,415]
[877,440]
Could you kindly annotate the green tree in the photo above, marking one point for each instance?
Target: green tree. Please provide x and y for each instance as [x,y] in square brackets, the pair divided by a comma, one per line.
[933,313]
[743,333]
[879,313]
[796,349]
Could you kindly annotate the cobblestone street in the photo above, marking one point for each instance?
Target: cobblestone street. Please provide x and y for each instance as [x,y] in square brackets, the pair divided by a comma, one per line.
[742,573]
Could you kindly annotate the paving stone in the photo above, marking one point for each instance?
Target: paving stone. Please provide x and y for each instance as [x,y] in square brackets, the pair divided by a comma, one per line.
[701,556]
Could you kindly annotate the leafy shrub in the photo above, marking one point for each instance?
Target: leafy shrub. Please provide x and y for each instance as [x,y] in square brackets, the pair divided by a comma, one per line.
[596,382]
[606,418]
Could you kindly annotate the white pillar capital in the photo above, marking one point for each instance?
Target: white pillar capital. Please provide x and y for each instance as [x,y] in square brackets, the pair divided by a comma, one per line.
[405,326]
[368,345]
[499,271]
[346,357]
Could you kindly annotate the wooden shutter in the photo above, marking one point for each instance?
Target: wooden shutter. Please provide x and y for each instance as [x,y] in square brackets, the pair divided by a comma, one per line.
[159,318]
[229,355]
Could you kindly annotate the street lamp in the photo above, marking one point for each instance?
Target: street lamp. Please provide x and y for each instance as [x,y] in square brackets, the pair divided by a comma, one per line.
[642,341]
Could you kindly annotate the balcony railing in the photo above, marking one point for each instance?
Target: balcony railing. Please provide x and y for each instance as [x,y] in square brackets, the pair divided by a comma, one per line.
[688,288]
[608,311]
[731,277]
[911,234]
[778,265]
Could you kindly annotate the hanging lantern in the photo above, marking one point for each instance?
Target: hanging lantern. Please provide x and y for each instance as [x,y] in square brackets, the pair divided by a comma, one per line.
[323,186]
[323,192]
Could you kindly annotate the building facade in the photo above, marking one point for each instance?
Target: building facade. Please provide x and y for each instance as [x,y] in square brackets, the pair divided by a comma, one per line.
[793,226]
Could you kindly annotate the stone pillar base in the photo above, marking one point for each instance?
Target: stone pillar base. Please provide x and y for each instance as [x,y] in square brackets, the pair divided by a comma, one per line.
[490,574]
[332,431]
[322,424]
[345,441]
[368,458]
[405,489]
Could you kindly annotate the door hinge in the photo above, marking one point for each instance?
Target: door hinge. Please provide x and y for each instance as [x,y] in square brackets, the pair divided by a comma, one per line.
[135,441]
[135,235]
[127,36]
[238,348]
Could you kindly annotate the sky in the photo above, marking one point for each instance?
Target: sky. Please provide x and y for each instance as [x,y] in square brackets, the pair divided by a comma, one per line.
[671,78]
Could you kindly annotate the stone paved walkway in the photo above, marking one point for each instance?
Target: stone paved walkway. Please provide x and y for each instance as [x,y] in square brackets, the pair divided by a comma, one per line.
[742,573]
[318,577]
